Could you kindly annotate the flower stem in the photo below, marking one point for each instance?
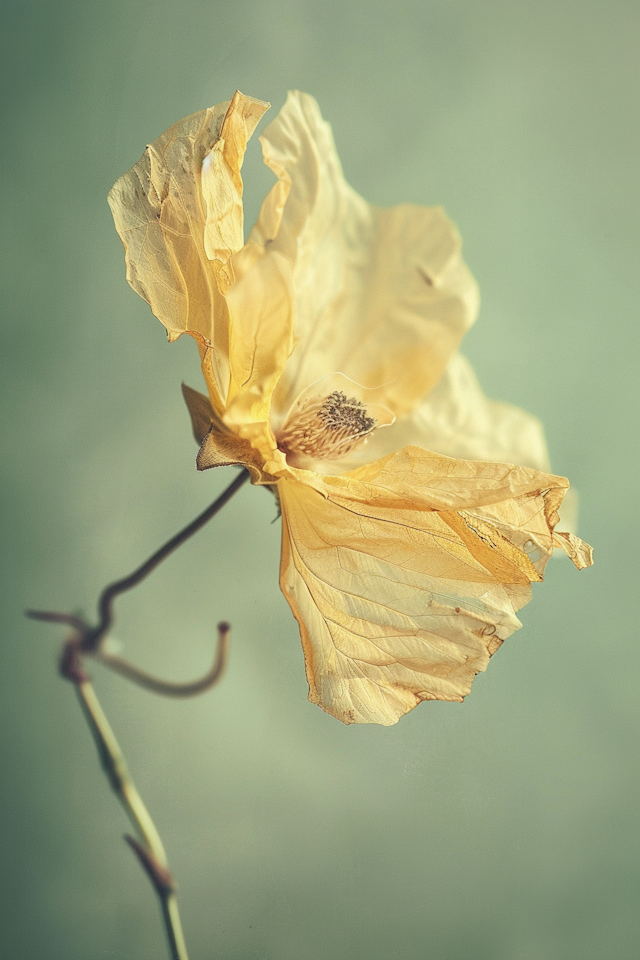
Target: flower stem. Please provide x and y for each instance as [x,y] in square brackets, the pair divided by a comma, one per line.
[93,638]
[86,640]
[150,852]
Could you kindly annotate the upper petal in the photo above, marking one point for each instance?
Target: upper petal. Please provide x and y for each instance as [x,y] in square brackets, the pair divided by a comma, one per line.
[381,296]
[174,215]
[221,181]
[406,579]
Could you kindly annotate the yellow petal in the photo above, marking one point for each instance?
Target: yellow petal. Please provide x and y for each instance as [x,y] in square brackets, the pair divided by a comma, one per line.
[162,217]
[382,296]
[406,575]
[261,333]
[221,180]
[426,480]
[456,419]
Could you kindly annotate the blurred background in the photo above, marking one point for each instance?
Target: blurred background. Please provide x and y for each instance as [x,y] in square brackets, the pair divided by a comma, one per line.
[500,829]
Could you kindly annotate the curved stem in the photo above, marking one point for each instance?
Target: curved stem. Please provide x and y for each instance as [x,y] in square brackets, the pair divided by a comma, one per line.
[54,616]
[92,638]
[86,640]
[168,688]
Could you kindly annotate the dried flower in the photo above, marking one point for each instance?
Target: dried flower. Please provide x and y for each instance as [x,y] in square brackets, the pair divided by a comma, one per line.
[416,513]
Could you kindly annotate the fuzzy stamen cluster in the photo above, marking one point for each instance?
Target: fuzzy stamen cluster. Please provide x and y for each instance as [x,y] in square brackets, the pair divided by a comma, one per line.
[325,428]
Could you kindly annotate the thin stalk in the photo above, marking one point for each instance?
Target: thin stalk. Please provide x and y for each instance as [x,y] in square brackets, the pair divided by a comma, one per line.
[169,688]
[86,640]
[92,638]
[151,852]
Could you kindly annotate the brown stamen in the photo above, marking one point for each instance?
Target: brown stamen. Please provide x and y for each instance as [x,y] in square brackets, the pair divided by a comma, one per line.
[325,428]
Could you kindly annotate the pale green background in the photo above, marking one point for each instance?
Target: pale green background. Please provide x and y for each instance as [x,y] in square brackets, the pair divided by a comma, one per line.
[502,829]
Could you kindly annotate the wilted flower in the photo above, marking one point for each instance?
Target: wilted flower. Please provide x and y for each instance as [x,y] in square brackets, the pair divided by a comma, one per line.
[415,512]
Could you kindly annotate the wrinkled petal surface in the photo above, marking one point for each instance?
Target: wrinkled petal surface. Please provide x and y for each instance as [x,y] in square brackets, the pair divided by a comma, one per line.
[457,419]
[178,208]
[381,296]
[261,333]
[406,576]
[221,182]
[405,561]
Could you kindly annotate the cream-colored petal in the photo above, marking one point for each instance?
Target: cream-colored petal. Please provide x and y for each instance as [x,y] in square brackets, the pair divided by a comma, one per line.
[221,180]
[406,582]
[161,216]
[456,419]
[382,296]
[261,333]
[579,552]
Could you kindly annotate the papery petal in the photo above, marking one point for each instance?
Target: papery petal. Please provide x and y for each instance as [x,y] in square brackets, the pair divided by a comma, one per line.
[382,296]
[457,419]
[406,576]
[427,480]
[161,217]
[579,552]
[221,180]
[261,332]
[201,412]
[225,449]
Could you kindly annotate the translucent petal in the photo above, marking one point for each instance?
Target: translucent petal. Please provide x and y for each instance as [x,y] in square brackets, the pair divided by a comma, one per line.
[381,295]
[221,181]
[162,217]
[261,333]
[406,576]
[458,420]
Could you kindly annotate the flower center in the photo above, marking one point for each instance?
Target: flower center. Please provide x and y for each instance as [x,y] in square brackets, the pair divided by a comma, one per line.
[325,428]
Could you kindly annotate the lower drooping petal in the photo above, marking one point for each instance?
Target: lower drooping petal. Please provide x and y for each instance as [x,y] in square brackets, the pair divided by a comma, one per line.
[403,594]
